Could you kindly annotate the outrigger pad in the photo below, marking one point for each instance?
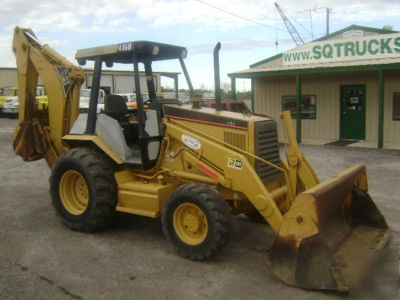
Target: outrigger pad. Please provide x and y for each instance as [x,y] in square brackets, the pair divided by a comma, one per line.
[330,235]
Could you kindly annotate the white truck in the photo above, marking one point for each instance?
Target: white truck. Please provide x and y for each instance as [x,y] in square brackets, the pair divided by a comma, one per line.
[11,104]
[84,100]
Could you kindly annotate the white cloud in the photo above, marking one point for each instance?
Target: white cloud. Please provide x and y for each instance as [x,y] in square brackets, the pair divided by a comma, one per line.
[56,19]
[191,12]
[94,16]
[239,44]
[7,58]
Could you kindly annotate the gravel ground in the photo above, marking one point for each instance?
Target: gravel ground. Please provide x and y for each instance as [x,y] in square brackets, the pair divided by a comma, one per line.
[41,259]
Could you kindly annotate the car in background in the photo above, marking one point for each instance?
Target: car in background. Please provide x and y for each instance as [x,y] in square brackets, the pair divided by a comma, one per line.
[84,98]
[11,107]
[5,93]
[11,104]
[130,99]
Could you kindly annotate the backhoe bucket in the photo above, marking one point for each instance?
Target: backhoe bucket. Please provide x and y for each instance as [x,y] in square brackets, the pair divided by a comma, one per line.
[330,235]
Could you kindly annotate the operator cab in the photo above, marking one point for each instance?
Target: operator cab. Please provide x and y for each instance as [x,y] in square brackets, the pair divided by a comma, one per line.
[139,142]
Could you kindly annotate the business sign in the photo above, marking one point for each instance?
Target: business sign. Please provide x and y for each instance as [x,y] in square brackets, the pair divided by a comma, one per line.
[368,47]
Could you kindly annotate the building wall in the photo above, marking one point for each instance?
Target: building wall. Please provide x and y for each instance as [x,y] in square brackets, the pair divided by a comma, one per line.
[8,77]
[117,81]
[326,87]
[391,127]
[105,80]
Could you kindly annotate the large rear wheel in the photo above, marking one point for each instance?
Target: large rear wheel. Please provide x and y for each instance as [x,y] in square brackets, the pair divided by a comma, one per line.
[197,221]
[83,189]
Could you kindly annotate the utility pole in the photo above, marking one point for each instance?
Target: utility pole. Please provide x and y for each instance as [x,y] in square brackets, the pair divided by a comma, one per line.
[328,12]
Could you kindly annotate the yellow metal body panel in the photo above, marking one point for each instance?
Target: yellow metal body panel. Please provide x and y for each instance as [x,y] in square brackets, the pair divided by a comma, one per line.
[96,140]
[212,158]
[140,196]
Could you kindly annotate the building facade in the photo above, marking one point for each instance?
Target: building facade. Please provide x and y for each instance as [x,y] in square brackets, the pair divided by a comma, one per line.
[344,86]
[112,81]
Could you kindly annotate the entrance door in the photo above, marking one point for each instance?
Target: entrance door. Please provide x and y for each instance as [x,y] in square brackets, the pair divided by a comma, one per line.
[352,106]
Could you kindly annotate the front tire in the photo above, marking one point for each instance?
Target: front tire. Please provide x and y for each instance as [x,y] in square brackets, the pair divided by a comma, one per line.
[197,221]
[83,189]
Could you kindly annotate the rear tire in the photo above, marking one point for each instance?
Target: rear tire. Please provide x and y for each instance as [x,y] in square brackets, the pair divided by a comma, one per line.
[83,189]
[197,221]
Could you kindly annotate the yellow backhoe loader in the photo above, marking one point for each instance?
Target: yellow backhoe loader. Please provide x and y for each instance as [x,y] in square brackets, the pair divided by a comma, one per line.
[192,166]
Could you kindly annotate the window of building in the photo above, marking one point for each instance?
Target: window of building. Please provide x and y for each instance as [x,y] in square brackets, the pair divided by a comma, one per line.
[308,106]
[396,106]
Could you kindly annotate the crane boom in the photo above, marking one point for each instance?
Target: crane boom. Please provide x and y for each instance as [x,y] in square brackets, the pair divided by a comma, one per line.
[292,30]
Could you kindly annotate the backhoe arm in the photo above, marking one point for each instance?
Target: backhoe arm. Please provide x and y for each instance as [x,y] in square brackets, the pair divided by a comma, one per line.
[39,135]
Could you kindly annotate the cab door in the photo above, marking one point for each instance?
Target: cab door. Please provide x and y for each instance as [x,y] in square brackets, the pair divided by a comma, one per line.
[352,112]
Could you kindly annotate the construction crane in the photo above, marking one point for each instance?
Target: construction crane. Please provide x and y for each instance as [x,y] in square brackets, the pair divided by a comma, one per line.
[292,30]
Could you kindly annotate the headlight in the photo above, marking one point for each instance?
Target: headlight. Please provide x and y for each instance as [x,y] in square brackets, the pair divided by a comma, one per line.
[156,50]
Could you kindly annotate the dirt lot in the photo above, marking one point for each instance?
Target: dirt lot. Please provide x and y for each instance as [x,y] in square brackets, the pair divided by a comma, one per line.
[41,259]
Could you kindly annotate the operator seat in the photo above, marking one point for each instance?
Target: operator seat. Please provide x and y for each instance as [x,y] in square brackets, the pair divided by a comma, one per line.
[144,152]
[115,107]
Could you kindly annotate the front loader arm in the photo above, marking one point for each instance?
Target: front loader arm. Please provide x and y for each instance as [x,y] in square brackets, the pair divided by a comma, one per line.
[300,170]
[40,135]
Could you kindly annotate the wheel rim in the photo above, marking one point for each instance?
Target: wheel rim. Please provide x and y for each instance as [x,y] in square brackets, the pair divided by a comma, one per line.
[190,223]
[74,192]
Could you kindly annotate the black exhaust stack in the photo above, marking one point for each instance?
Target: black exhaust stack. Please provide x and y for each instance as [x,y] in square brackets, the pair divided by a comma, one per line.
[217,82]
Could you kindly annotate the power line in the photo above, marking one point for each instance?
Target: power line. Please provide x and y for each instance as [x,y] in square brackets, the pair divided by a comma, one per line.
[238,16]
[298,23]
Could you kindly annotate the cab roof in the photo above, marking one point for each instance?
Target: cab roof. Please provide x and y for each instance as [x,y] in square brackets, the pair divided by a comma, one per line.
[123,53]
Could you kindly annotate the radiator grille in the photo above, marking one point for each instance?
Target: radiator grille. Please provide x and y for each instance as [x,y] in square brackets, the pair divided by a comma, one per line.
[266,147]
[235,139]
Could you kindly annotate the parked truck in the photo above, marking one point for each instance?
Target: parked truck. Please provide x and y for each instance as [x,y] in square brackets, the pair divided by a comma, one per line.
[11,104]
[5,93]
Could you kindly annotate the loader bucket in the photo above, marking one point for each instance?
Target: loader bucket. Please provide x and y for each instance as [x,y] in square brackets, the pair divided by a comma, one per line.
[330,235]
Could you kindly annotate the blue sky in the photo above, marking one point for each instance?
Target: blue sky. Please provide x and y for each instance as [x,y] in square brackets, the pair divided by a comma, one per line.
[71,25]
